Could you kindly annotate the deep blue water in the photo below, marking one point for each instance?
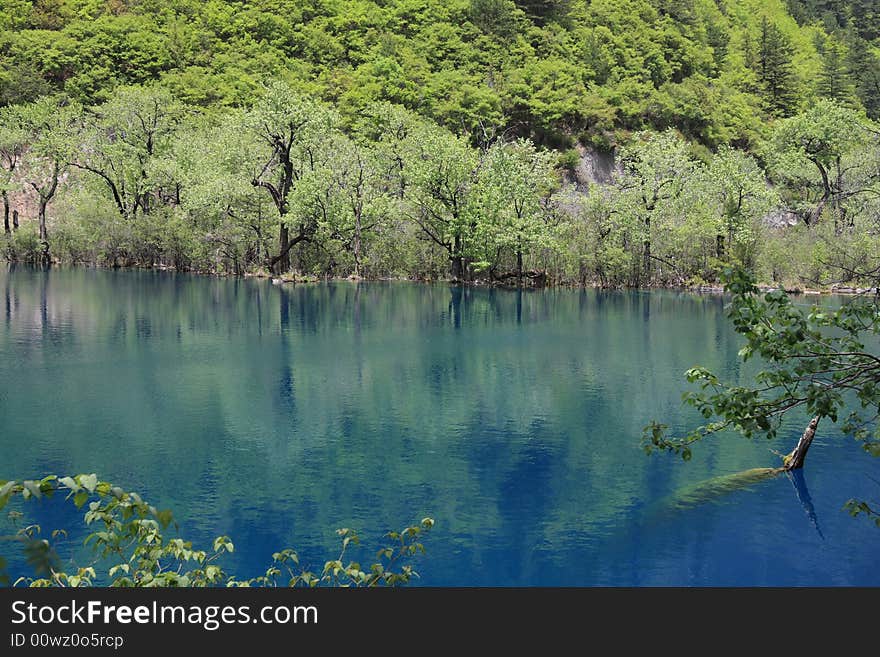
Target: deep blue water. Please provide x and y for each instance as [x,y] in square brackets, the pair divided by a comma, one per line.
[277,414]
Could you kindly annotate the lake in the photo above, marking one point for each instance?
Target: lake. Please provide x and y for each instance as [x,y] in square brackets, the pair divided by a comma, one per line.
[275,414]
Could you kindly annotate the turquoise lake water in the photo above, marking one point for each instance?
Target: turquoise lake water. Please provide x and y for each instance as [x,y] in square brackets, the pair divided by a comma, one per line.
[275,414]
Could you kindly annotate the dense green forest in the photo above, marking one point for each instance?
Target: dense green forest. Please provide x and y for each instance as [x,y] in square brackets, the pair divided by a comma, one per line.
[627,142]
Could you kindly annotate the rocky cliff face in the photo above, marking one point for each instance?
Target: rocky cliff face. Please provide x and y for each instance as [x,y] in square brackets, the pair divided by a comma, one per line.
[594,166]
[781,218]
[26,202]
[25,199]
[597,167]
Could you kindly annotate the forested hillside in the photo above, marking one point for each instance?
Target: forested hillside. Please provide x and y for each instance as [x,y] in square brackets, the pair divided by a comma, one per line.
[548,70]
[443,138]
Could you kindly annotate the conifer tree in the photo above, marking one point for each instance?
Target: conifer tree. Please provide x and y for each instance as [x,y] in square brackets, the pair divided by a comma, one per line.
[835,82]
[864,67]
[776,71]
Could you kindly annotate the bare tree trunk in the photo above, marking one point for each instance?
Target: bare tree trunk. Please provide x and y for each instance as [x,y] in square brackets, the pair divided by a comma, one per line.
[6,214]
[46,194]
[274,265]
[44,233]
[795,460]
[457,263]
[840,219]
[519,267]
[356,245]
[14,220]
[816,213]
[283,263]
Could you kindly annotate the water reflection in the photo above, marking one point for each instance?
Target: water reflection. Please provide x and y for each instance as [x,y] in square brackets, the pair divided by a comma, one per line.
[799,481]
[277,413]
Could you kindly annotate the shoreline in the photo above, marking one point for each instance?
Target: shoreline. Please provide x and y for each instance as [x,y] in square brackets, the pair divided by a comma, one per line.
[294,279]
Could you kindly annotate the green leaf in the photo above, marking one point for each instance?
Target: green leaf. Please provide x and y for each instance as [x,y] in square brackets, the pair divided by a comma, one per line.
[80,498]
[69,482]
[32,487]
[89,482]
[124,567]
[164,517]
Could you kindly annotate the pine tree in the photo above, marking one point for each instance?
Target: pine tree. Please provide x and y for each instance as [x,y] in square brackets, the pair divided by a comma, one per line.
[835,82]
[776,71]
[866,18]
[864,68]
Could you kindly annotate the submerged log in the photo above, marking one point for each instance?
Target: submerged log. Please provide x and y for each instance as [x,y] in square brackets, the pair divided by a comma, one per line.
[713,489]
[717,487]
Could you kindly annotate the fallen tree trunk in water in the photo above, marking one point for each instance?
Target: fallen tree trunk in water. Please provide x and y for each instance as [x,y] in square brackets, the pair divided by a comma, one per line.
[711,489]
[716,487]
[795,459]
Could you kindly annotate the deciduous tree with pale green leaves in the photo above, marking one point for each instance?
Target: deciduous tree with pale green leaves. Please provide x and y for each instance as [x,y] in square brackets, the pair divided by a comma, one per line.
[287,184]
[294,132]
[211,162]
[119,143]
[49,125]
[511,206]
[442,172]
[13,142]
[655,169]
[736,195]
[363,196]
[826,160]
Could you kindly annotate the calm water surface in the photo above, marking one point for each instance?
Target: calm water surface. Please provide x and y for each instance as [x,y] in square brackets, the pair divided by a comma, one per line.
[276,414]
